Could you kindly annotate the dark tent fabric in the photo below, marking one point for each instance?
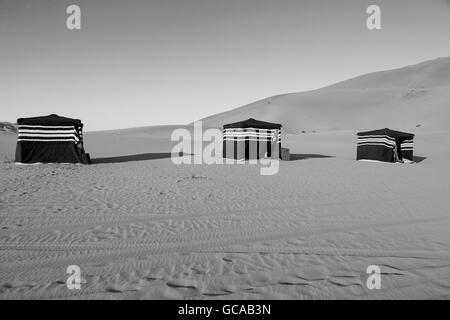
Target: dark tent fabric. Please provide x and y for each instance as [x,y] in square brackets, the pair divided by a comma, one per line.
[51,120]
[389,132]
[251,139]
[50,139]
[385,145]
[253,123]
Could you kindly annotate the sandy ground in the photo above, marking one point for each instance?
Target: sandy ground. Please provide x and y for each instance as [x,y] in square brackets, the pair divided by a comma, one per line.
[154,230]
[404,98]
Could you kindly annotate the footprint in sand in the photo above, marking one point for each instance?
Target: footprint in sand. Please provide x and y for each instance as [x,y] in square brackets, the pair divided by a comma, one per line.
[14,284]
[117,288]
[187,288]
[182,283]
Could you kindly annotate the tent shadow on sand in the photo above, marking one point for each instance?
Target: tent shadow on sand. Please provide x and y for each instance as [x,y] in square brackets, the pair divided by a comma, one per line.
[136,157]
[301,156]
[418,159]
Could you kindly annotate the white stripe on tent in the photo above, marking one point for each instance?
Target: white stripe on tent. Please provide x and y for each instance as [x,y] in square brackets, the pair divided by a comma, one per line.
[37,134]
[249,130]
[30,137]
[375,144]
[376,136]
[50,127]
[47,135]
[250,139]
[47,129]
[47,140]
[40,135]
[47,132]
[377,141]
[249,135]
[238,134]
[241,129]
[244,132]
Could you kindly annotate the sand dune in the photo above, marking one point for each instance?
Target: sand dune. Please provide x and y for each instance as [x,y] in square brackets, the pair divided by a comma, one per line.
[408,98]
[7,127]
[149,229]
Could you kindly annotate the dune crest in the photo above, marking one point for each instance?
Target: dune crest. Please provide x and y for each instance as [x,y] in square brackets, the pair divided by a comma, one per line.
[411,97]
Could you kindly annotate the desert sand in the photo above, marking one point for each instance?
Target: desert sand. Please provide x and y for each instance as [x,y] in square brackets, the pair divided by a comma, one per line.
[153,230]
[141,227]
[412,97]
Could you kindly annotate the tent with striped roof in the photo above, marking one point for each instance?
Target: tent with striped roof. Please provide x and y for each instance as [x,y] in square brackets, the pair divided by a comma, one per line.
[252,139]
[50,139]
[385,145]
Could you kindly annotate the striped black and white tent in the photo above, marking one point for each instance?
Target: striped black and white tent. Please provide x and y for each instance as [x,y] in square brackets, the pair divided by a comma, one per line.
[251,139]
[50,139]
[385,145]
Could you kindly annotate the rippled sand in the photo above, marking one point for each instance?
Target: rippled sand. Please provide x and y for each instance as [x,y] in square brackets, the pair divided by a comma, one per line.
[153,230]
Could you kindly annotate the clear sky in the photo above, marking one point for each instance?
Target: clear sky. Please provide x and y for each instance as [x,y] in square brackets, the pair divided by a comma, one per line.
[138,63]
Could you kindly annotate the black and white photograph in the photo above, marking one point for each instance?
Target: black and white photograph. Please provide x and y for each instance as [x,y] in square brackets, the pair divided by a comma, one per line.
[231,150]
